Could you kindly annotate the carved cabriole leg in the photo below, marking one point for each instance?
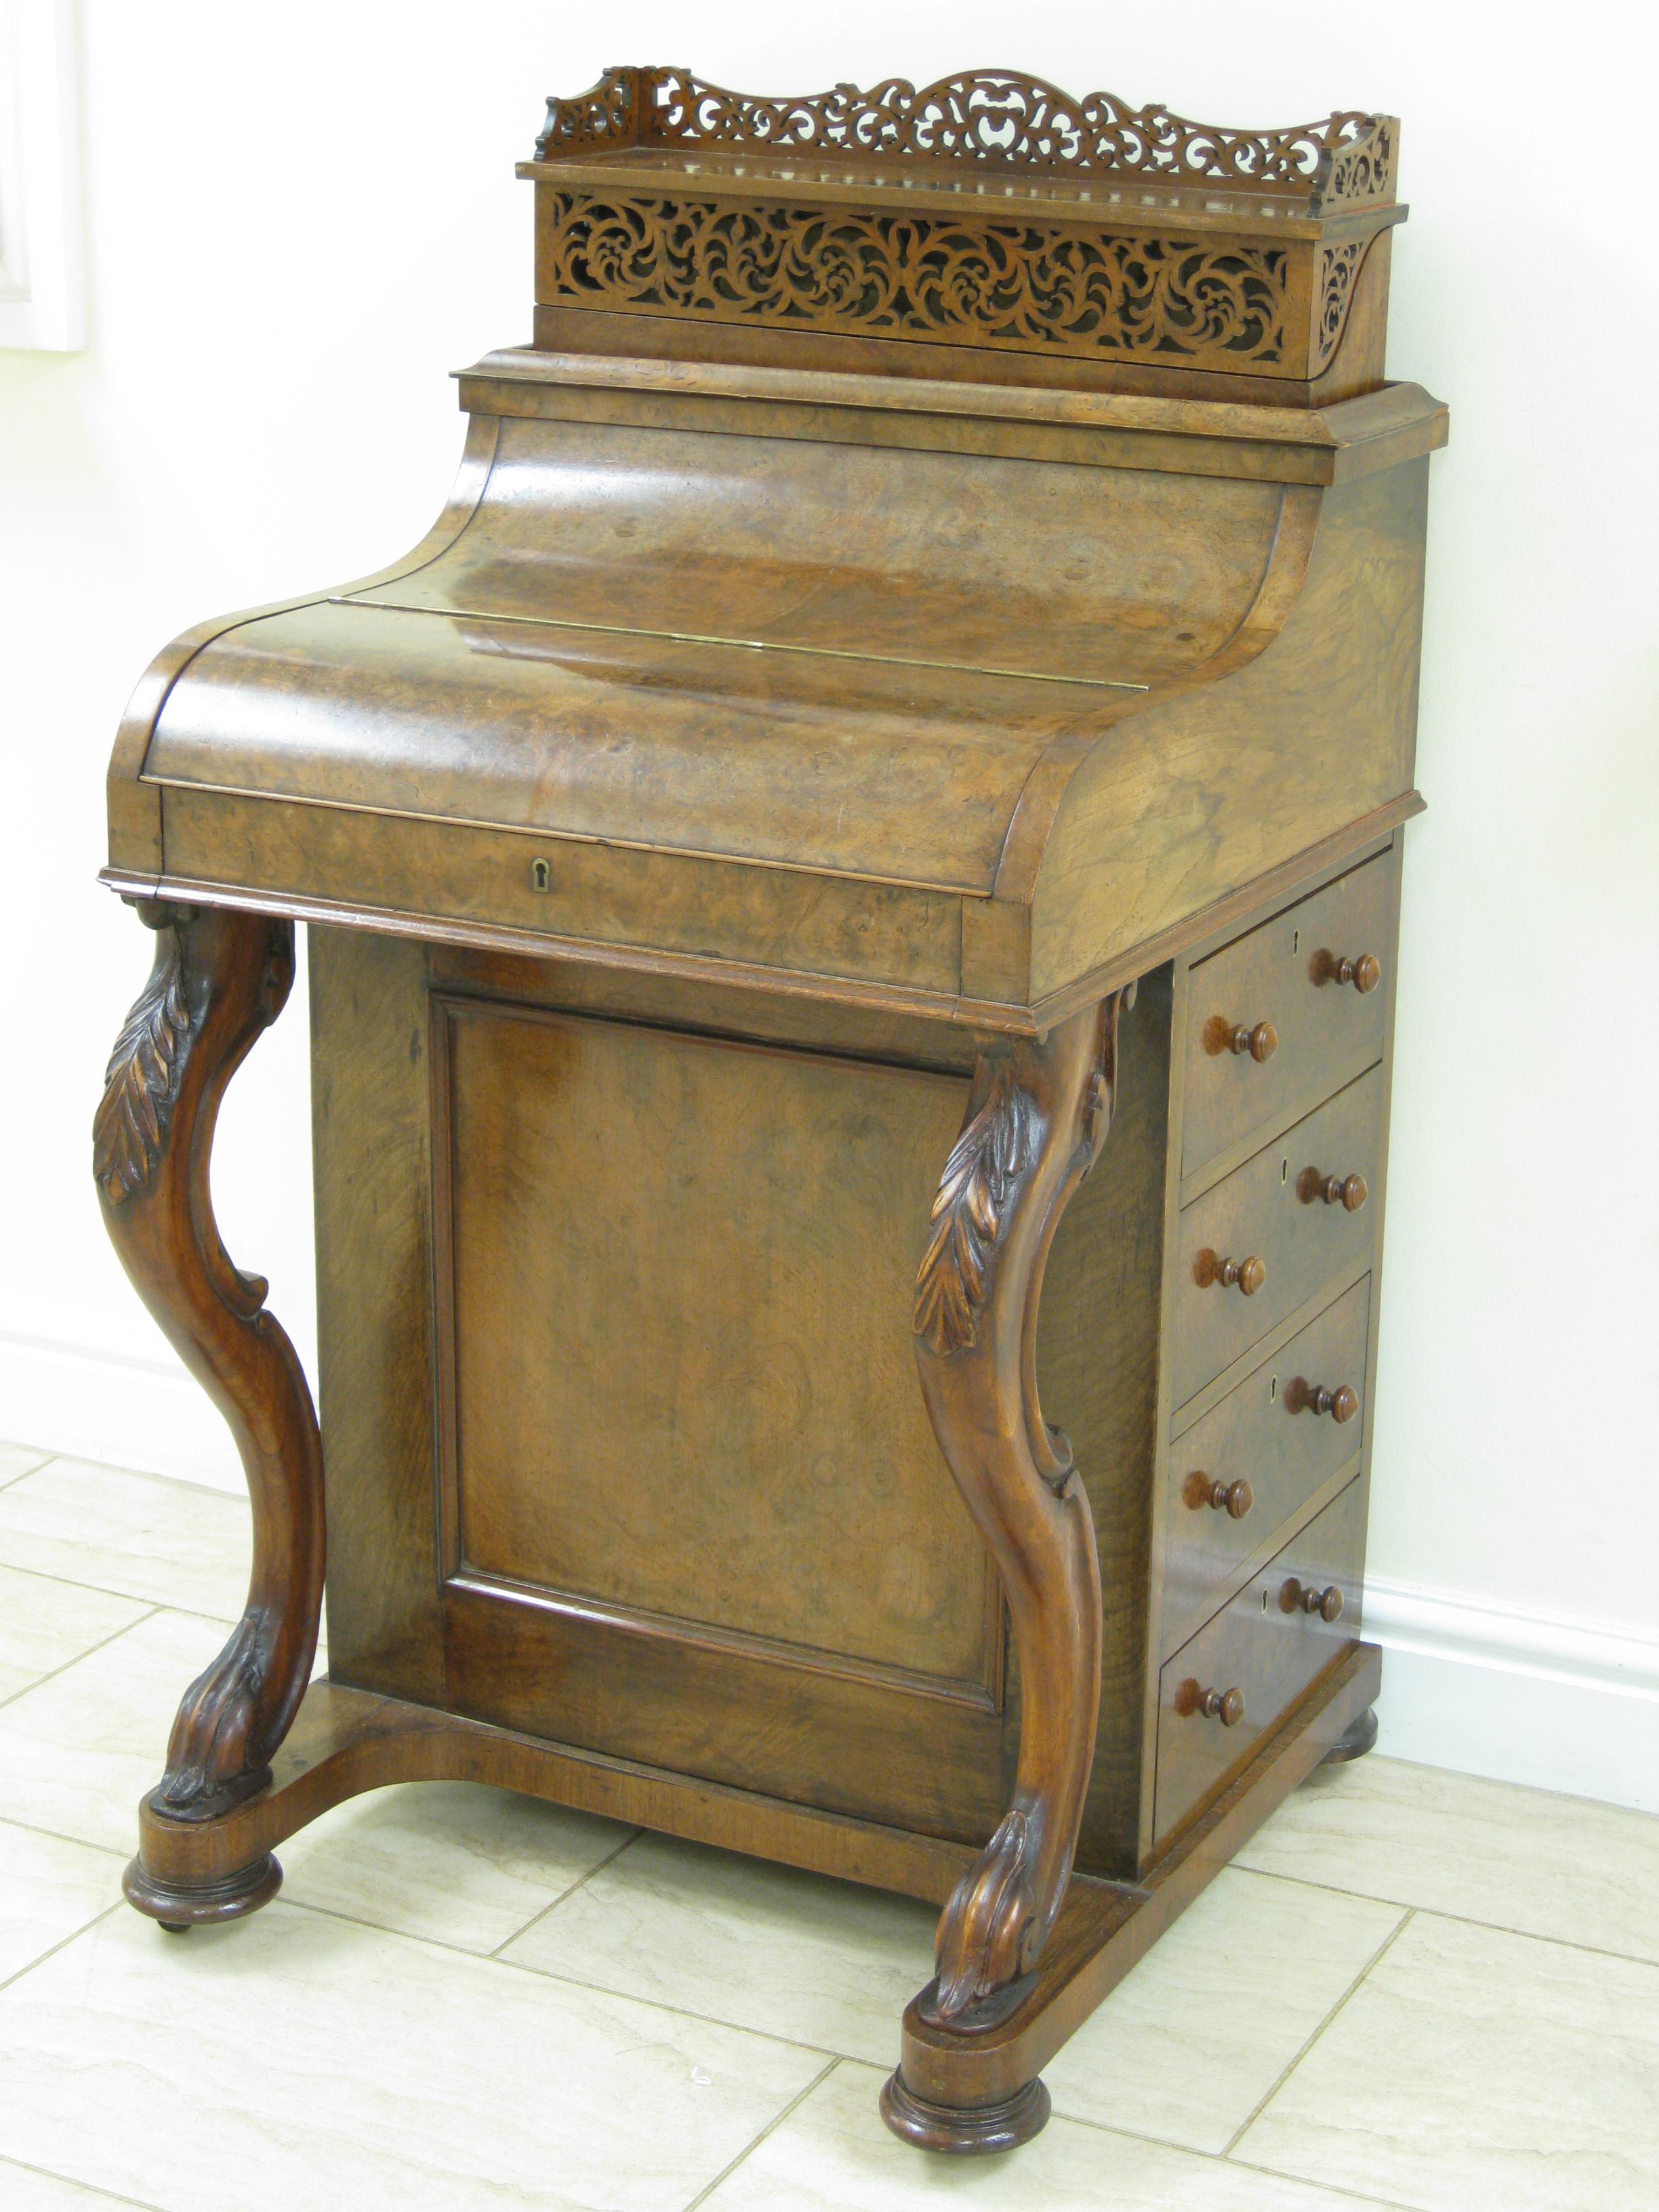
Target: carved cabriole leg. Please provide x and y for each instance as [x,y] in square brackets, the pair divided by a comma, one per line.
[218,980]
[1036,1120]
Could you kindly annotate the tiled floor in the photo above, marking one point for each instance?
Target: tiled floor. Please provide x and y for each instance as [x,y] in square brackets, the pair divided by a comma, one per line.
[1414,1989]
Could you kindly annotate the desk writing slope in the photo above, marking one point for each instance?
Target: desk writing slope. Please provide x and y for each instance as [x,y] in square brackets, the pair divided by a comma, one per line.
[901,735]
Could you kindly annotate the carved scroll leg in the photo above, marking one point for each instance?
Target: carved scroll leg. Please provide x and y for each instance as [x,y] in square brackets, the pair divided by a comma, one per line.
[1036,1120]
[219,979]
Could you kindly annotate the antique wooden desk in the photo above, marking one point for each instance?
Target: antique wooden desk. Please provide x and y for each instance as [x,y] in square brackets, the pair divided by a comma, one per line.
[919,671]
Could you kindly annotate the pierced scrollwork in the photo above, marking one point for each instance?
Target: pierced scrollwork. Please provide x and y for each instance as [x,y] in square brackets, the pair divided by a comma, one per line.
[141,1083]
[987,116]
[986,1164]
[976,283]
[1339,266]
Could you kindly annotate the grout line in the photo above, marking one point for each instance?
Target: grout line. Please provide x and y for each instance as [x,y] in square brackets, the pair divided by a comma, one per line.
[237,1496]
[17,1473]
[9,1819]
[537,1918]
[703,2195]
[1284,2073]
[1461,1919]
[1220,2158]
[1331,2188]
[51,1673]
[572,1982]
[11,1980]
[73,2181]
[132,1597]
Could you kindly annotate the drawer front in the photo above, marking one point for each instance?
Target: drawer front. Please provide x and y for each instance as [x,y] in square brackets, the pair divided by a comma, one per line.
[1252,1463]
[1256,1658]
[1285,975]
[1265,1239]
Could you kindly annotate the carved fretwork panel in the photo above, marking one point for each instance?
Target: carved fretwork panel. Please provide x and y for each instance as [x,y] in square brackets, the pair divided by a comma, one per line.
[971,282]
[991,116]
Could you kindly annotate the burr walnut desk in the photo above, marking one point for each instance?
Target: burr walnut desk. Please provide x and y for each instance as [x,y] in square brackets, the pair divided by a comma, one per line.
[879,797]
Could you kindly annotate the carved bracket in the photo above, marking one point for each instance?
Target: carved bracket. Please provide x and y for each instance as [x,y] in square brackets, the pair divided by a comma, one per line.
[1038,1117]
[218,980]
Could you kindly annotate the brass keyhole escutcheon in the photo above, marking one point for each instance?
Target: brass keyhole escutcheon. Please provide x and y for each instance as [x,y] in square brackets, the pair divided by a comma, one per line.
[541,875]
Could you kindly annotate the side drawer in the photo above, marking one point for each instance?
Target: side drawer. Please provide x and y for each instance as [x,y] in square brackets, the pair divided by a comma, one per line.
[1264,1239]
[1284,974]
[1252,1463]
[1226,1688]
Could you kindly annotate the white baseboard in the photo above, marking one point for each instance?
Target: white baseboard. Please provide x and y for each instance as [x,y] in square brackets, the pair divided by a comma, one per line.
[1520,1696]
[1530,1697]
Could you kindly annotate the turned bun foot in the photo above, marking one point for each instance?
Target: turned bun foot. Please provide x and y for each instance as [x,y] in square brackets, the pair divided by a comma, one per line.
[181,1907]
[967,2130]
[1356,1739]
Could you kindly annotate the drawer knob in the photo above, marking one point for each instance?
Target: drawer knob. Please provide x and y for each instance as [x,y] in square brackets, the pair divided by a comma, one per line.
[1350,1191]
[1226,1706]
[1299,1597]
[1245,1275]
[1262,1043]
[1235,1497]
[1341,1404]
[1365,974]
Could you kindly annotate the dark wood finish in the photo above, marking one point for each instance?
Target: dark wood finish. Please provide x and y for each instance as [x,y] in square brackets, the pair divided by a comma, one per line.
[218,980]
[846,721]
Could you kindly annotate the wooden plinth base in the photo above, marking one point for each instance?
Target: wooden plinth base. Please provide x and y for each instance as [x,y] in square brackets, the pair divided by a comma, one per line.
[956,2090]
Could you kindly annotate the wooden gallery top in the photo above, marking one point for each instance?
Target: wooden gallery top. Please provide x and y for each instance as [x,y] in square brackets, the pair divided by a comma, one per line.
[919,664]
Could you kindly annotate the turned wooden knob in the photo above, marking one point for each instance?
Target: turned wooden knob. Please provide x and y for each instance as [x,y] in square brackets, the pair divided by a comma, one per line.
[1246,1275]
[1350,1191]
[1234,1497]
[1365,974]
[1341,1404]
[1298,1597]
[1226,1706]
[1262,1043]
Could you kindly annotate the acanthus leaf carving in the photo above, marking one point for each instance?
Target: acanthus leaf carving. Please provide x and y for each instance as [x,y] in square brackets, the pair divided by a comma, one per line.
[141,1083]
[969,1213]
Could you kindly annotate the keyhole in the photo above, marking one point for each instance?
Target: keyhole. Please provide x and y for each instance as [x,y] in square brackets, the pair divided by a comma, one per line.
[1296,941]
[541,875]
[1284,1170]
[1272,1390]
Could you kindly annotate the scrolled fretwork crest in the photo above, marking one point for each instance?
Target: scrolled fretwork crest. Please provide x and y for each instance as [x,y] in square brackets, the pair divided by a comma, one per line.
[141,1083]
[986,1164]
[974,282]
[993,116]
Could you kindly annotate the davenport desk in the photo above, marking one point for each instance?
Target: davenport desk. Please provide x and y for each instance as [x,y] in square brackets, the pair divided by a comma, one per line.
[861,852]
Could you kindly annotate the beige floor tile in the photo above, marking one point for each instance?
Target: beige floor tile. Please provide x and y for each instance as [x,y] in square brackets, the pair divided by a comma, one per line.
[133,1534]
[45,1624]
[1187,2045]
[793,1955]
[833,2155]
[48,1889]
[1516,1858]
[19,1459]
[1477,2071]
[22,2190]
[293,2062]
[451,1861]
[78,1751]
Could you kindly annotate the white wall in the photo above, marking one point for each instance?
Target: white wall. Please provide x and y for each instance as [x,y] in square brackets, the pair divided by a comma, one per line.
[300,220]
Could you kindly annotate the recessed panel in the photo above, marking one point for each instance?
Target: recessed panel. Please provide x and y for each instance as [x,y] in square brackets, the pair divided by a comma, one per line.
[682,1382]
